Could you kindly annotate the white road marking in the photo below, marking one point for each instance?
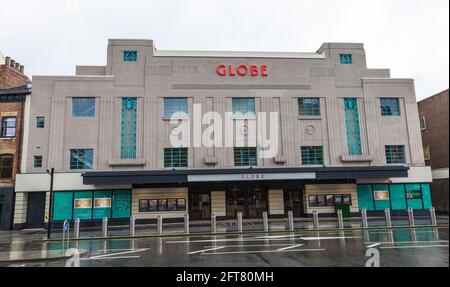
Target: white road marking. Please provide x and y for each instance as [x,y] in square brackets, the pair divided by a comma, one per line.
[290,247]
[261,251]
[413,246]
[111,258]
[328,238]
[230,239]
[257,245]
[402,242]
[209,249]
[373,245]
[119,253]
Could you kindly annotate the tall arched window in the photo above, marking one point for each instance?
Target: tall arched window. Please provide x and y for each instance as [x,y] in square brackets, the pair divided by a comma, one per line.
[6,166]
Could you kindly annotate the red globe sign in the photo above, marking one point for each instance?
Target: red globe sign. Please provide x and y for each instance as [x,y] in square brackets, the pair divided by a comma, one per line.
[241,70]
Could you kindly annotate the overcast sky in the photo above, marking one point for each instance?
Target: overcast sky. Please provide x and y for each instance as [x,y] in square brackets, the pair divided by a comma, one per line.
[411,37]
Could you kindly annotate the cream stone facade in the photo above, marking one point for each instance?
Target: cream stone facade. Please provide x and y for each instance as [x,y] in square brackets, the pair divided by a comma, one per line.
[210,182]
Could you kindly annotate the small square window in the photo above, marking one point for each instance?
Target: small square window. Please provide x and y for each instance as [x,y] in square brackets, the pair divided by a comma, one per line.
[389,107]
[130,56]
[40,122]
[83,107]
[312,155]
[309,107]
[37,161]
[346,59]
[81,158]
[175,107]
[245,156]
[243,106]
[175,157]
[395,154]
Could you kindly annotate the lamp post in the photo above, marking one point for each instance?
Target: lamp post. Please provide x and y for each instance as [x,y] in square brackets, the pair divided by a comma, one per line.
[50,208]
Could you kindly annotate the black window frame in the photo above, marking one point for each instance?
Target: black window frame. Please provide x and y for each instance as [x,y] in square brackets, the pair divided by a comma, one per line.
[40,122]
[385,112]
[4,157]
[37,157]
[5,127]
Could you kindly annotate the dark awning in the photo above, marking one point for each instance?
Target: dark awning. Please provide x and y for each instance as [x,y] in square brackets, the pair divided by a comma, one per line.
[181,176]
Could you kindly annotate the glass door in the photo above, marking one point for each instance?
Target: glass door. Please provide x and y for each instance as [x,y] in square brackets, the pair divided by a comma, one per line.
[200,205]
[251,201]
[293,201]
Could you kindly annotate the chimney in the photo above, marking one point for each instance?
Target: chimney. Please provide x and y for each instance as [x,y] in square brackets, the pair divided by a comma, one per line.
[7,61]
[17,66]
[21,69]
[13,62]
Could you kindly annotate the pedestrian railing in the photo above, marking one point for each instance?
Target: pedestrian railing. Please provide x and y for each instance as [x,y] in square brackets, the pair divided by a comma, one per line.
[239,223]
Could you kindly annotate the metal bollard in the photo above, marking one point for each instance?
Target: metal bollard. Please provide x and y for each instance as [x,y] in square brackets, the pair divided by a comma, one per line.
[265,221]
[433,216]
[213,223]
[239,221]
[160,225]
[365,224]
[291,220]
[340,219]
[76,228]
[387,214]
[411,216]
[132,225]
[315,219]
[105,227]
[186,223]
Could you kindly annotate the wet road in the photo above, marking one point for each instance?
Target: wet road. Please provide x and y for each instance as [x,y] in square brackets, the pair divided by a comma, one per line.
[399,247]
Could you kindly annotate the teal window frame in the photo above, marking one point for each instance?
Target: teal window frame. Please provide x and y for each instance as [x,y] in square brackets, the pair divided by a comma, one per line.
[395,154]
[83,107]
[130,56]
[37,161]
[81,159]
[243,107]
[245,156]
[312,155]
[128,129]
[175,157]
[353,130]
[40,122]
[175,107]
[346,59]
[308,106]
[389,107]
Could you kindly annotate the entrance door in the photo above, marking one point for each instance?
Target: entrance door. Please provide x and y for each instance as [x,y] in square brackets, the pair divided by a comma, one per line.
[251,201]
[35,210]
[200,205]
[293,200]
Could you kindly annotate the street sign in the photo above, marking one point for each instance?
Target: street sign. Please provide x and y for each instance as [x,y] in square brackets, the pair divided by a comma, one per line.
[66,225]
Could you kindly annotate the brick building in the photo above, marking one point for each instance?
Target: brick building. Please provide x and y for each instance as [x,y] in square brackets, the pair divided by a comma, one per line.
[14,86]
[433,113]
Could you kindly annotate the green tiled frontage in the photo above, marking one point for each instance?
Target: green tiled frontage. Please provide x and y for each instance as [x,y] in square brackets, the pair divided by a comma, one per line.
[401,196]
[91,204]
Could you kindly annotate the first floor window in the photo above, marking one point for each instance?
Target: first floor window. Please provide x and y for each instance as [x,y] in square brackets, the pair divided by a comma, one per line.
[81,158]
[245,156]
[8,127]
[312,155]
[175,157]
[389,107]
[395,154]
[37,161]
[6,166]
[308,107]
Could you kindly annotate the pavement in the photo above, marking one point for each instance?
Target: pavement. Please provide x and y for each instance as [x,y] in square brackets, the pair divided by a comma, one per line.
[421,246]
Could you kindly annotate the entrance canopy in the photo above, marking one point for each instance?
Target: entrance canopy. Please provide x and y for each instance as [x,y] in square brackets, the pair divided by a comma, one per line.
[185,176]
